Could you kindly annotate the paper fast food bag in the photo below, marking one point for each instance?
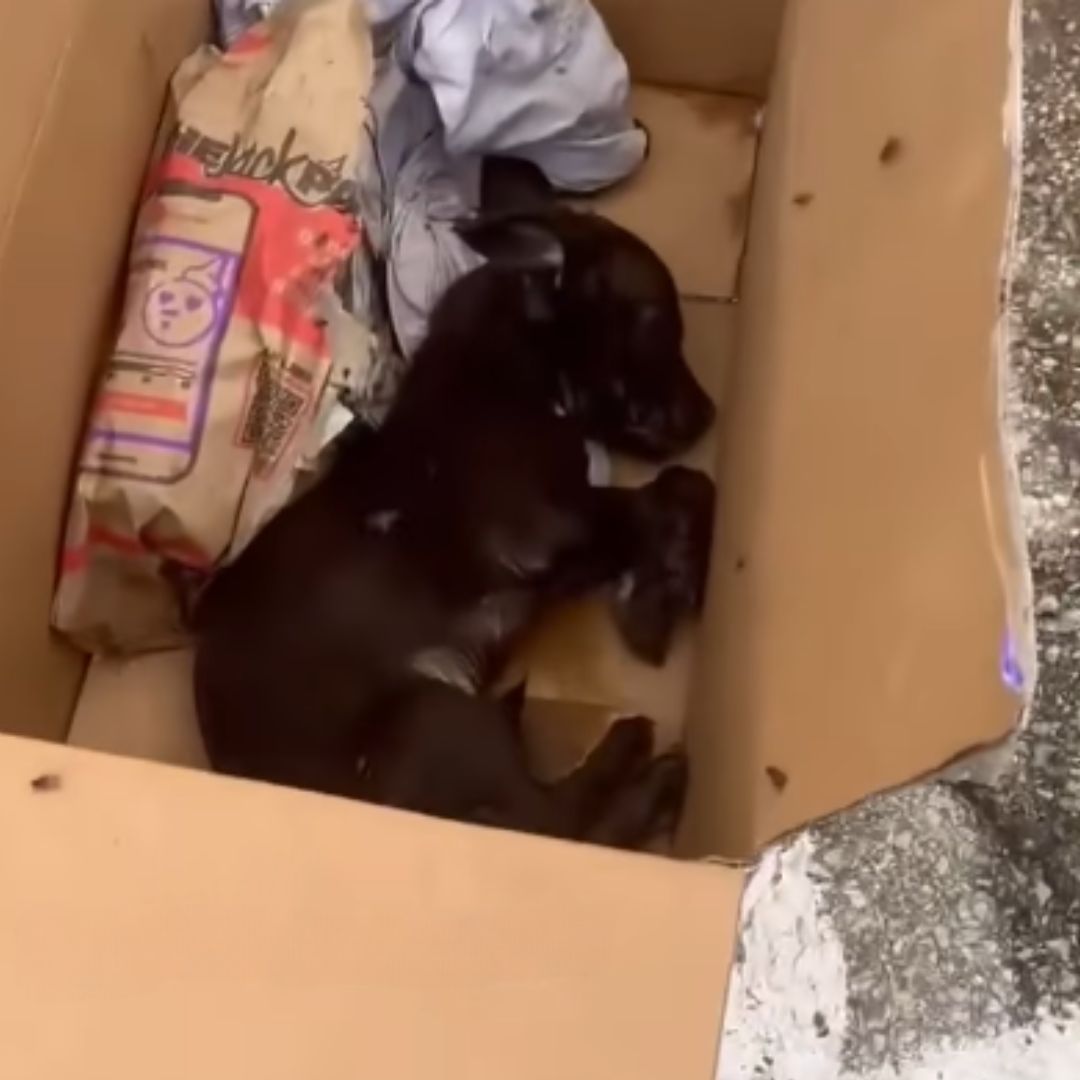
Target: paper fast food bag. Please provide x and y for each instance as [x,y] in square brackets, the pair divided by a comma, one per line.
[208,401]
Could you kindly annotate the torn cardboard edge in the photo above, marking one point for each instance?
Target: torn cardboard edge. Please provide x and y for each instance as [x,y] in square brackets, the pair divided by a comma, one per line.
[1021,598]
[987,764]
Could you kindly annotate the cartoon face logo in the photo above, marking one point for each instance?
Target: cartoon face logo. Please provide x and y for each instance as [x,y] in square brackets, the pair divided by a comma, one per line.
[180,311]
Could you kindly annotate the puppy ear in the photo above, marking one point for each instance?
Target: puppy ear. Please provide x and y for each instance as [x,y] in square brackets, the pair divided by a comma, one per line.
[512,704]
[516,242]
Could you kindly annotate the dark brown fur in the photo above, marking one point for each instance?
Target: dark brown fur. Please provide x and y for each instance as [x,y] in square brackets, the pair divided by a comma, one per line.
[348,649]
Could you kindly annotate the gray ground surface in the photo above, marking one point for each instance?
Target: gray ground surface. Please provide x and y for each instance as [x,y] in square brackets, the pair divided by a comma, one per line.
[936,932]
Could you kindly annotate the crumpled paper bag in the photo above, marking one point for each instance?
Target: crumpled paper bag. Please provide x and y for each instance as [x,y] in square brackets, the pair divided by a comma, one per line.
[209,404]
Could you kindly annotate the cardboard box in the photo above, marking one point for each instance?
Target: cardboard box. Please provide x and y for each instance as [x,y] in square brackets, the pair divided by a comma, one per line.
[867,614]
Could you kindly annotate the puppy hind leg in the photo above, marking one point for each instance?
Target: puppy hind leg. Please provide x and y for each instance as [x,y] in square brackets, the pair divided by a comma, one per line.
[624,749]
[646,808]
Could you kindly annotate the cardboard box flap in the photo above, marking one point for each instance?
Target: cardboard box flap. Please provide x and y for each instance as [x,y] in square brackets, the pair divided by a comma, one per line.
[235,930]
[859,595]
[691,198]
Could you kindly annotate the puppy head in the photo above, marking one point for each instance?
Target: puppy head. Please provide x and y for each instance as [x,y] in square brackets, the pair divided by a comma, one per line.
[440,751]
[617,327]
[638,394]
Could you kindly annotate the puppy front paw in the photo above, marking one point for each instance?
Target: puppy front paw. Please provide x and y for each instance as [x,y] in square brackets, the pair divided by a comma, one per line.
[667,582]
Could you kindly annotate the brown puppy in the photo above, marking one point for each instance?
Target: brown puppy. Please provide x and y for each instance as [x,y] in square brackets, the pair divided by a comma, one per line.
[347,649]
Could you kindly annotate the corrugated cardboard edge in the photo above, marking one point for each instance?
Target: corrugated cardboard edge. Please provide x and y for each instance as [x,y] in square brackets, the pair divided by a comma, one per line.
[988,763]
[1020,588]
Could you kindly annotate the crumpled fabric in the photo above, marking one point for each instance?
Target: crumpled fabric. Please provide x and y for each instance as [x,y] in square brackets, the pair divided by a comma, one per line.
[412,195]
[537,79]
[456,80]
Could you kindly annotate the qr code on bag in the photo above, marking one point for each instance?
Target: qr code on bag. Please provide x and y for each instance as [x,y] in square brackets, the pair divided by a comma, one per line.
[275,406]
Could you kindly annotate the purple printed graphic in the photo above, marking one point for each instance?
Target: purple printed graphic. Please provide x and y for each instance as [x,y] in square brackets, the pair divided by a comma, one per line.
[153,405]
[181,312]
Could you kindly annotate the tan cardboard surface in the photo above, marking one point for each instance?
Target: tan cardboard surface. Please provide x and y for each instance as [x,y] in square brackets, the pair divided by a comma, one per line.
[691,198]
[859,644]
[84,84]
[169,924]
[27,76]
[141,708]
[707,44]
